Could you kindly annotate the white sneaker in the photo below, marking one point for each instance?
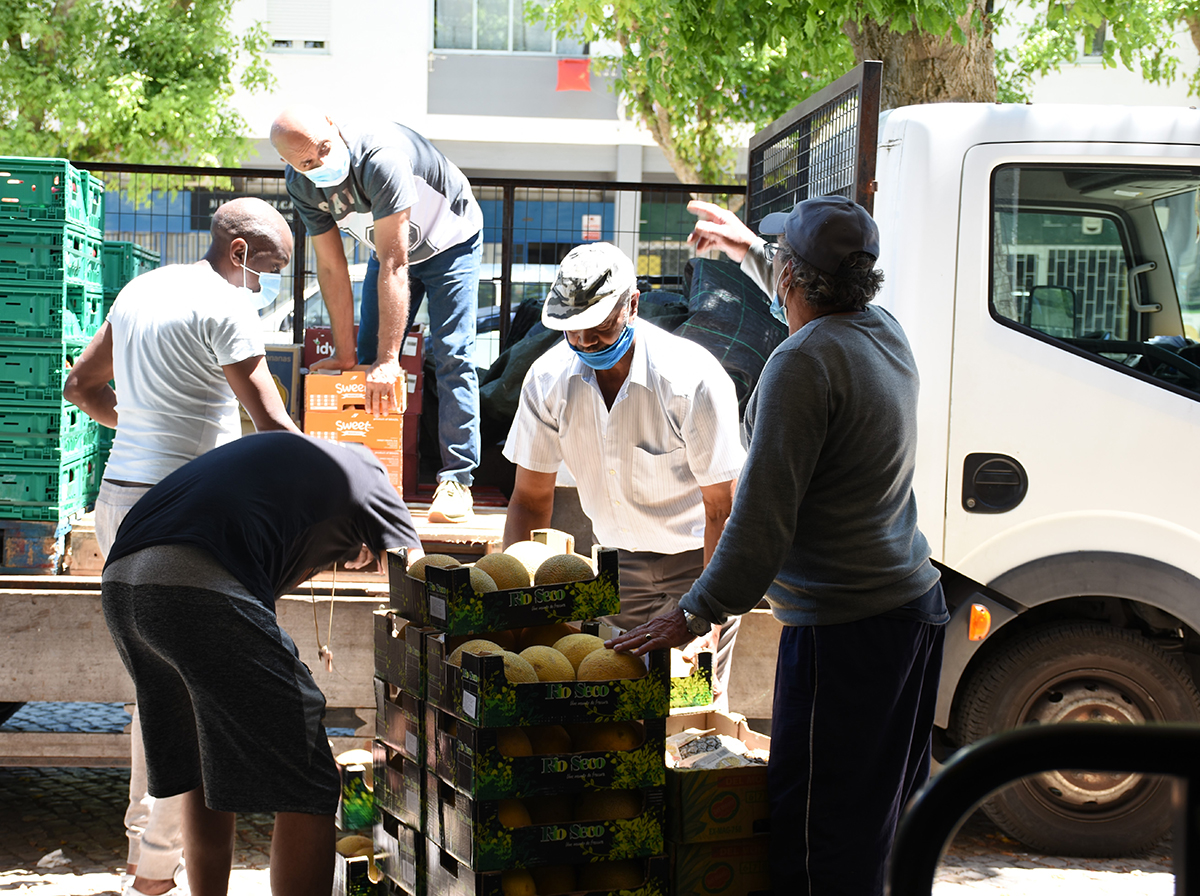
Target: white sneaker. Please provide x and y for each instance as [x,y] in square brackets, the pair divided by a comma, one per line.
[180,888]
[452,503]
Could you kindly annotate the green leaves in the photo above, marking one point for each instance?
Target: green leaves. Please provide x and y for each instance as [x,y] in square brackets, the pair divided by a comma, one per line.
[118,80]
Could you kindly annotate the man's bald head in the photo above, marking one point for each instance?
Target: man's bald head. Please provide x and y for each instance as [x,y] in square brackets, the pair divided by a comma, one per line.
[300,135]
[248,231]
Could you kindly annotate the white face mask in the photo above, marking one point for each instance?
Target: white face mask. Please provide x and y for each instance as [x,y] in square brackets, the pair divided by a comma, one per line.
[268,286]
[778,308]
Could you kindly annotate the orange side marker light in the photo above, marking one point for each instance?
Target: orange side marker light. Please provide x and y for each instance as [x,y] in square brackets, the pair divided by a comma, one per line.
[980,623]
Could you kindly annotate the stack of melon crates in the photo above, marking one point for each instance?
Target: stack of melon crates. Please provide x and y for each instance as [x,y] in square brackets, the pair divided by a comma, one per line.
[123,260]
[487,786]
[51,304]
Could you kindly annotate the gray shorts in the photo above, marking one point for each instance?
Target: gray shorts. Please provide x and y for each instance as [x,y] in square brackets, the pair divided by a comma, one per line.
[225,701]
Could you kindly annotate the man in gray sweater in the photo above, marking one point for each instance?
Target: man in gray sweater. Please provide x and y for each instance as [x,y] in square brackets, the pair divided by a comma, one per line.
[824,523]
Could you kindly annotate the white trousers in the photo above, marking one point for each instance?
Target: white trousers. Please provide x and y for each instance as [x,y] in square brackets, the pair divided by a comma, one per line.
[154,826]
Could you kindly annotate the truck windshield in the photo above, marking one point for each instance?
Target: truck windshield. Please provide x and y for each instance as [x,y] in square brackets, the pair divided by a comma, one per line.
[1103,261]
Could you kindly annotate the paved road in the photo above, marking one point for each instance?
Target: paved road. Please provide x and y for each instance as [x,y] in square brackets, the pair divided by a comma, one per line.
[79,811]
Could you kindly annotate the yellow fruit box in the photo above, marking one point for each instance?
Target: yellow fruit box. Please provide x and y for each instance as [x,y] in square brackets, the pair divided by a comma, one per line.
[496,763]
[399,785]
[479,692]
[592,826]
[717,804]
[447,602]
[727,867]
[446,876]
[403,854]
[400,721]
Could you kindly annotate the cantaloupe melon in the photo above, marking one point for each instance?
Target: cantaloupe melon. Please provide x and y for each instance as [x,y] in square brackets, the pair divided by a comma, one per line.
[481,582]
[478,646]
[517,883]
[513,742]
[417,569]
[549,739]
[513,814]
[353,844]
[548,663]
[553,809]
[517,669]
[563,568]
[576,647]
[507,570]
[605,664]
[605,736]
[606,805]
[530,553]
[546,635]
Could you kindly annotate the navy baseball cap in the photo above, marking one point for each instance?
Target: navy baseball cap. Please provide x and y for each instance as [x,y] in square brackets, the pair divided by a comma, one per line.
[825,230]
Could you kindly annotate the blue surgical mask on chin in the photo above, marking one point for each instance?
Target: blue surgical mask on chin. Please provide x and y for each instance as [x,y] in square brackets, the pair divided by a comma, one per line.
[334,168]
[606,358]
[268,287]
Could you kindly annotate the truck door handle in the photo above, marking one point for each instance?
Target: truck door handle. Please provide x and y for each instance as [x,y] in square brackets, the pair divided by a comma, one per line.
[992,483]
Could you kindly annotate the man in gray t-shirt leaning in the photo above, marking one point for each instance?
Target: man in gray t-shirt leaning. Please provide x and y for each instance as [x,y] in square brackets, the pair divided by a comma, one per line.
[393,191]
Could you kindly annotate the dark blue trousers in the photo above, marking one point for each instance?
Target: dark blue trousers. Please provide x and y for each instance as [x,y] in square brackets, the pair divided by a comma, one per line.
[850,744]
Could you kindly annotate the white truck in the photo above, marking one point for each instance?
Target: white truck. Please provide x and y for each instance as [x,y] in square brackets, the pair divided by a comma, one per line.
[1045,264]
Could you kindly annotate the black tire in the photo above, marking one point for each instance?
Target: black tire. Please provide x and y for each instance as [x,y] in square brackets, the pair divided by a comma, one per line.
[1076,671]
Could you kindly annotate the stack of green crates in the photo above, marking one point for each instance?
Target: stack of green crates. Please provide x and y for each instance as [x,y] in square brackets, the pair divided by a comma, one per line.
[51,304]
[123,261]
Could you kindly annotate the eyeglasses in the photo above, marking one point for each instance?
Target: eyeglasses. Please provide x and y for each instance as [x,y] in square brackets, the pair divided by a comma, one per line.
[769,251]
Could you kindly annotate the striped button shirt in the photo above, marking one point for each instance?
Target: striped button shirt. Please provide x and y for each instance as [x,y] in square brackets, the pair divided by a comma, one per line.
[639,466]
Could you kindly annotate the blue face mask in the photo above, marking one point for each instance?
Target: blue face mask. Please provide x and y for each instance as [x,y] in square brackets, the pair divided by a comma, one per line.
[268,286]
[606,358]
[335,168]
[777,310]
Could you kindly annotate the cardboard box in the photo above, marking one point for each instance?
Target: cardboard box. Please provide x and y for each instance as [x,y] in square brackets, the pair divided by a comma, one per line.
[356,808]
[447,601]
[480,694]
[318,344]
[691,686]
[472,832]
[412,351]
[351,876]
[403,850]
[717,804]
[400,721]
[727,867]
[446,876]
[381,434]
[283,361]
[400,652]
[469,758]
[399,785]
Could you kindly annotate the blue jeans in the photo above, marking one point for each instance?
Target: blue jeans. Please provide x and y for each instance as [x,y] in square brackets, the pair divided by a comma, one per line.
[450,280]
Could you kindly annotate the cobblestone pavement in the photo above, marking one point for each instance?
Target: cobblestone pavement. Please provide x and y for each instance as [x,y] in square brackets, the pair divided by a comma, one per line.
[80,810]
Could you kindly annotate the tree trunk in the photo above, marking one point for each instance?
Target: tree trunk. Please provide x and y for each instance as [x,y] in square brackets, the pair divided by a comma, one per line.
[926,68]
[1193,23]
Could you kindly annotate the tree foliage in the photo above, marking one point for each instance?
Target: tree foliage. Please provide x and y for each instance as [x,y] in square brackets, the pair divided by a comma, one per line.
[138,81]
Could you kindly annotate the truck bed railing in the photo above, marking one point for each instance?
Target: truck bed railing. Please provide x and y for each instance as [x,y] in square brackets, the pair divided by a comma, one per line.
[986,765]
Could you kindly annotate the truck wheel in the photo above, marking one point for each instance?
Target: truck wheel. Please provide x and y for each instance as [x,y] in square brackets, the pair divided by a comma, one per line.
[1071,672]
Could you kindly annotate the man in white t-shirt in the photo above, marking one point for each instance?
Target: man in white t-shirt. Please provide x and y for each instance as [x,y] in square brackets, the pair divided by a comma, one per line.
[647,424]
[182,343]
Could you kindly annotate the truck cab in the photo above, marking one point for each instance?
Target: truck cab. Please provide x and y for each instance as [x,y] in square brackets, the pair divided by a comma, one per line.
[1043,261]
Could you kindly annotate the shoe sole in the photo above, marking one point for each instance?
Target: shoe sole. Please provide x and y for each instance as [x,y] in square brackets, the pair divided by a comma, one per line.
[442,518]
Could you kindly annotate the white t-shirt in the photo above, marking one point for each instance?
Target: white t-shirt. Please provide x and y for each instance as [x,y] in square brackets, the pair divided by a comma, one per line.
[639,466]
[173,329]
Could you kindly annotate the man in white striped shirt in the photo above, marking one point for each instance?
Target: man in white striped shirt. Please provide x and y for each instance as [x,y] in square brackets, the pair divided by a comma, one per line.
[647,424]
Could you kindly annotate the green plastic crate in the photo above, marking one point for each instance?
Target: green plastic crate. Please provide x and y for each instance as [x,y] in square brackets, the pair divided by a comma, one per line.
[50,253]
[50,190]
[46,434]
[50,310]
[45,491]
[123,261]
[31,368]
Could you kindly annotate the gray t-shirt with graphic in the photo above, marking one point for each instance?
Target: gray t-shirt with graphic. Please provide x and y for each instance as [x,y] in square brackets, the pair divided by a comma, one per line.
[392,168]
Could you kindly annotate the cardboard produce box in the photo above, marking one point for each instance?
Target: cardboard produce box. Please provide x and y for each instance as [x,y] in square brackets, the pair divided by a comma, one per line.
[356,808]
[446,876]
[399,785]
[492,835]
[691,686]
[717,804]
[479,692]
[400,652]
[447,602]
[283,361]
[382,435]
[352,876]
[403,850]
[727,867]
[474,760]
[400,721]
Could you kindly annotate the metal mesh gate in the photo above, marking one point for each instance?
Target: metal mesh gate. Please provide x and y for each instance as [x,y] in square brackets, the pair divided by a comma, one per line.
[823,146]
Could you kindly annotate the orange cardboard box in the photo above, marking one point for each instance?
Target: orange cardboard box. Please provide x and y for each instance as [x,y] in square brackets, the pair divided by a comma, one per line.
[333,392]
[383,435]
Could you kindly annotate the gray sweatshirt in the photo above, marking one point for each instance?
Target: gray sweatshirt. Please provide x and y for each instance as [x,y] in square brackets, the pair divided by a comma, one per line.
[824,520]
